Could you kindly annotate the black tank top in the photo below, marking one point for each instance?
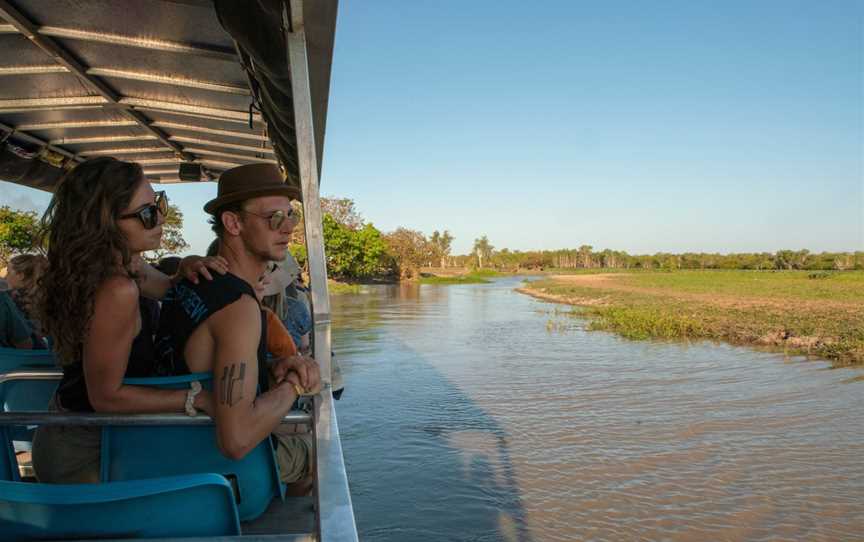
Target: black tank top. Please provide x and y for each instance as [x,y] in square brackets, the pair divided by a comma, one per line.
[72,391]
[186,306]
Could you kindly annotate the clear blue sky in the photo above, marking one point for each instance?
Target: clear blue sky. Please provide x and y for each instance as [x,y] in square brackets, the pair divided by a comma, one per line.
[639,126]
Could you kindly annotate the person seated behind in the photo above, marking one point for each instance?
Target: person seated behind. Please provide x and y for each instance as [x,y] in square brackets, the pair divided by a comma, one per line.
[280,343]
[286,295]
[103,214]
[25,270]
[15,332]
[291,303]
[219,326]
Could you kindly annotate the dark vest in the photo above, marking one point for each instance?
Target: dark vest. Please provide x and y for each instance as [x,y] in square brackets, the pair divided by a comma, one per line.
[72,391]
[186,306]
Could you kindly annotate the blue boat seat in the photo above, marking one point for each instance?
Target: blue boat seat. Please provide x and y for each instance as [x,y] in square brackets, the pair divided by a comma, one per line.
[8,463]
[136,452]
[29,395]
[195,505]
[12,359]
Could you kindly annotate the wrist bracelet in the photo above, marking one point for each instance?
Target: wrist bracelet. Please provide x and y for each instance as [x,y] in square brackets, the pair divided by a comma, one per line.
[194,389]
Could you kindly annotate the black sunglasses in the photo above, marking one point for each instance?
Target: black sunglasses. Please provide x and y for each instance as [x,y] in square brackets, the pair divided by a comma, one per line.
[276,219]
[149,214]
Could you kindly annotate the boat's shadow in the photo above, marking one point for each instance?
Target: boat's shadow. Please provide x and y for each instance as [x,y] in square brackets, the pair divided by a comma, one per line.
[424,461]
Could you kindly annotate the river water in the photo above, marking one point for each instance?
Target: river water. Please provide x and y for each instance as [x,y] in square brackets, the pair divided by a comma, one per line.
[476,413]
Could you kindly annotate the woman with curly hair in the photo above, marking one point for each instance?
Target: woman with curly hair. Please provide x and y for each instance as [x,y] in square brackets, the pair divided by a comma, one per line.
[103,215]
[25,270]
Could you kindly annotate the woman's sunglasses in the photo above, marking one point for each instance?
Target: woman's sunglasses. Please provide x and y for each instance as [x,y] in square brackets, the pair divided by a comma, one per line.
[275,220]
[149,214]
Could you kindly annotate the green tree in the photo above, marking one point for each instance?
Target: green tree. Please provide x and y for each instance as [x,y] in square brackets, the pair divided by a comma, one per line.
[343,211]
[483,250]
[19,232]
[410,250]
[339,248]
[373,251]
[441,246]
[173,242]
[353,254]
[585,256]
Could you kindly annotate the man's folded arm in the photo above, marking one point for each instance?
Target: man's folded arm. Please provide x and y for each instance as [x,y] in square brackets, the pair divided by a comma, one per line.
[243,418]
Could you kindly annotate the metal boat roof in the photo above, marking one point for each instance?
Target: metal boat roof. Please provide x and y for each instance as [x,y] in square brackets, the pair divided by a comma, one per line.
[157,82]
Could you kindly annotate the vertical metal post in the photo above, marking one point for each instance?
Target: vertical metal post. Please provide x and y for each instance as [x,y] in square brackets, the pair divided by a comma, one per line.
[308,165]
[335,515]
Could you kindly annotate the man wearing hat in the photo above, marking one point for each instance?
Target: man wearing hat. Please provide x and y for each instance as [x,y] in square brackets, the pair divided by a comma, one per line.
[218,326]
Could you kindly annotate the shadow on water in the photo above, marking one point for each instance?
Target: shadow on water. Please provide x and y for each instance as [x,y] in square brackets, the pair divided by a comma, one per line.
[425,462]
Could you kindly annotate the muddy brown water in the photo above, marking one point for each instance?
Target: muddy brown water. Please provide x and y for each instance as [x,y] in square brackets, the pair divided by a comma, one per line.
[476,413]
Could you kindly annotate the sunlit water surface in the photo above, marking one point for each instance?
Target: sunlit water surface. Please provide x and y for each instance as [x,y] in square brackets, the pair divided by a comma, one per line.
[475,413]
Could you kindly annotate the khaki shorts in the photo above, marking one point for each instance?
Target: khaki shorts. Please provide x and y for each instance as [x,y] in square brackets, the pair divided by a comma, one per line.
[66,454]
[293,455]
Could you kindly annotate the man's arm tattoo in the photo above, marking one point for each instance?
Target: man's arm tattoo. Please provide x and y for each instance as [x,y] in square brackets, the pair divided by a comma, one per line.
[231,386]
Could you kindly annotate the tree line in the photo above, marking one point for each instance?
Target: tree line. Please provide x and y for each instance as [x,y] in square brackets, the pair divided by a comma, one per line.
[357,250]
[585,257]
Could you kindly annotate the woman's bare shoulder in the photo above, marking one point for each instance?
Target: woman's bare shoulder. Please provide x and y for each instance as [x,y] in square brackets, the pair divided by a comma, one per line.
[118,289]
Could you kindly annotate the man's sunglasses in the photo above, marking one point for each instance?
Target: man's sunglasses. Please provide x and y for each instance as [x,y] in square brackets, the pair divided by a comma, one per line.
[275,220]
[149,214]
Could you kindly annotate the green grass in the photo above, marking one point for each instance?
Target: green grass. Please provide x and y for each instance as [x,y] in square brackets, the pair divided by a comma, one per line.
[837,285]
[785,310]
[470,278]
[338,288]
[584,271]
[488,273]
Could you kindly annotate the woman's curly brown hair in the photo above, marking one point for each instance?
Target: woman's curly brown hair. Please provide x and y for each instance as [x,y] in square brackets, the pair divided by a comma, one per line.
[83,243]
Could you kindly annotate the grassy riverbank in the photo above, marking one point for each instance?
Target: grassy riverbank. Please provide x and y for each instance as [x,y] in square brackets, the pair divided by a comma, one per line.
[478,276]
[797,311]
[337,288]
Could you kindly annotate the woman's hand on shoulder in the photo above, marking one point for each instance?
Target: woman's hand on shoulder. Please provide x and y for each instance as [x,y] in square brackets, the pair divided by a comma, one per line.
[191,267]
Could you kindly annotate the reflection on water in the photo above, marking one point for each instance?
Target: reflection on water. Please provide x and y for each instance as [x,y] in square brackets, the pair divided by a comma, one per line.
[468,417]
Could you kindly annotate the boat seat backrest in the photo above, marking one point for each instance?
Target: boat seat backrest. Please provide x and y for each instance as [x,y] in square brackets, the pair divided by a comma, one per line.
[8,463]
[194,505]
[12,359]
[27,395]
[135,452]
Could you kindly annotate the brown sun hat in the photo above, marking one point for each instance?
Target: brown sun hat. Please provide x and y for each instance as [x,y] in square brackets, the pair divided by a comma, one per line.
[249,181]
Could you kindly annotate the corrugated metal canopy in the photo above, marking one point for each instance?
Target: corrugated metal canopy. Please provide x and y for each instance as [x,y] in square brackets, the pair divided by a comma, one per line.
[154,81]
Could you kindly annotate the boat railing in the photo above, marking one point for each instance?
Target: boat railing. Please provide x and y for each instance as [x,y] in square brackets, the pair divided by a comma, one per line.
[298,417]
[331,477]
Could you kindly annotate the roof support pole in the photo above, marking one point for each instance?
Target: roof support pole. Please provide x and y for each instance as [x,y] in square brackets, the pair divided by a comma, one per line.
[312,216]
[336,514]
